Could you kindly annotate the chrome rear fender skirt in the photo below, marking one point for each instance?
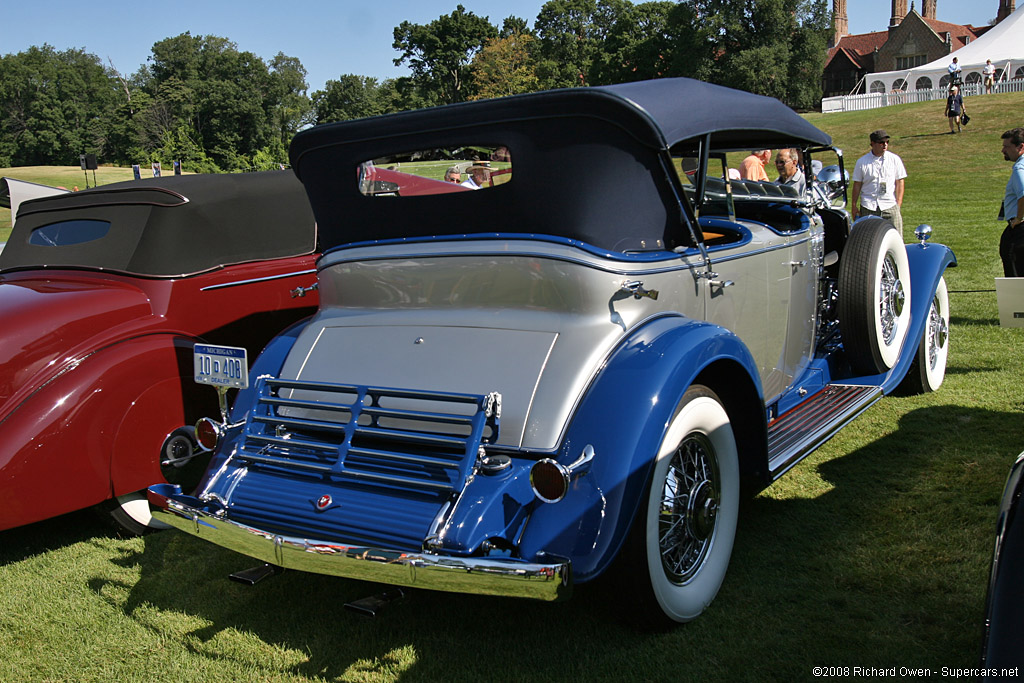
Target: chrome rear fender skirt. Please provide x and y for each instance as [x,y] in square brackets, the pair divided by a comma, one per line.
[504,577]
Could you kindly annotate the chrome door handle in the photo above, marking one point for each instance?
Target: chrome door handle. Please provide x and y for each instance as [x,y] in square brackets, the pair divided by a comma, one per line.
[636,288]
[722,284]
[302,291]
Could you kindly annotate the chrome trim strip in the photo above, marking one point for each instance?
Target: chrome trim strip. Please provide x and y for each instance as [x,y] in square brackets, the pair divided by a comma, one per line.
[589,260]
[533,394]
[475,575]
[311,271]
[596,263]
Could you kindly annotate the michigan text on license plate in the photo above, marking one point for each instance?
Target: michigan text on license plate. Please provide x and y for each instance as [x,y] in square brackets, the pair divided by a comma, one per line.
[222,366]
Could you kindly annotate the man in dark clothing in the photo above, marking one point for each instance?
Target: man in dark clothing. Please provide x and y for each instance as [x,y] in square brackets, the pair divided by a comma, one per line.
[1011,243]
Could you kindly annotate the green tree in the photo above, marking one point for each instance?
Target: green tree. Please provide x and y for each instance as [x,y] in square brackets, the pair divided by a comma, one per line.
[808,49]
[289,105]
[572,34]
[505,67]
[348,97]
[439,53]
[230,101]
[514,25]
[769,47]
[53,106]
[640,44]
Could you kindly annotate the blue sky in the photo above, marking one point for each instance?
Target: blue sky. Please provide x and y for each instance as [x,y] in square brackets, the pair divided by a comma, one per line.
[330,38]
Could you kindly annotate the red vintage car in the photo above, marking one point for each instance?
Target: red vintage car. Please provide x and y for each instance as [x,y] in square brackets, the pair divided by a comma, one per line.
[103,295]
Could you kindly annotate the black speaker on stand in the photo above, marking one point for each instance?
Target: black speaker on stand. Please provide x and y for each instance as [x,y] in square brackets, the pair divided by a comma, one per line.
[88,162]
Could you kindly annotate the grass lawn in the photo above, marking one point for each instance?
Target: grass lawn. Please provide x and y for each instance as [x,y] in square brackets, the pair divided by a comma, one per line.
[873,552]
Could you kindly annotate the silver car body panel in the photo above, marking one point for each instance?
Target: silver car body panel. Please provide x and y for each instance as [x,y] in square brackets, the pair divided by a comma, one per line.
[533,320]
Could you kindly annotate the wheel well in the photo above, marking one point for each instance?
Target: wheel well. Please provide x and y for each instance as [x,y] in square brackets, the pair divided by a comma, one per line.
[746,413]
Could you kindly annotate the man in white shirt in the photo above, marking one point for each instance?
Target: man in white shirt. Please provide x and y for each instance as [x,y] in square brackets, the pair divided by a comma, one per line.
[989,72]
[878,182]
[478,176]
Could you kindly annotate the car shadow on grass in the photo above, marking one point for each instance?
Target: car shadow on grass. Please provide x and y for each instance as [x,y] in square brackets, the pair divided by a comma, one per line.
[33,539]
[876,556]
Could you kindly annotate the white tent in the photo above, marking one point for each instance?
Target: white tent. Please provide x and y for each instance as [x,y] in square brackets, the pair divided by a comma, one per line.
[1003,44]
[13,192]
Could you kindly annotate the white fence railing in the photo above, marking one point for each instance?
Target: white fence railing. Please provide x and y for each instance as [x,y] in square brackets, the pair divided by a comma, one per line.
[874,100]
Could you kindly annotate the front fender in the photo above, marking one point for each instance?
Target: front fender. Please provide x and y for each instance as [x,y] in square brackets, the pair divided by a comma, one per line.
[624,416]
[928,262]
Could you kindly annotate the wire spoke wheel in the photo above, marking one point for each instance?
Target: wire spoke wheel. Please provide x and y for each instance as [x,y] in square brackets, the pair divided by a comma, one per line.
[891,299]
[929,368]
[679,547]
[689,508]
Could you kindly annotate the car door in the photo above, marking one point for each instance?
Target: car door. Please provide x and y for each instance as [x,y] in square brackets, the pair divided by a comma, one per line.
[750,296]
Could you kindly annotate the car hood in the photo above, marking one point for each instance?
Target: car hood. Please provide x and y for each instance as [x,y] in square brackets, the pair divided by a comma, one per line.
[50,324]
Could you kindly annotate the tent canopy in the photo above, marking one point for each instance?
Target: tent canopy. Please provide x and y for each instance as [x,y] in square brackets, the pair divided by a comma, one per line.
[1003,44]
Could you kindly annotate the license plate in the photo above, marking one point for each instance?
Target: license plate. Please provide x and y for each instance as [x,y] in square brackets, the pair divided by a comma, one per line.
[222,366]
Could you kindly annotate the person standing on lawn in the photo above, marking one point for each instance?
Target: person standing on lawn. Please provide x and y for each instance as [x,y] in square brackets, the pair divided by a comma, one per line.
[1011,243]
[954,107]
[878,182]
[989,72]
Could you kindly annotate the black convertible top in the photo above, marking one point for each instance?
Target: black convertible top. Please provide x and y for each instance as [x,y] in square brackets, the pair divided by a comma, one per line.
[165,227]
[590,164]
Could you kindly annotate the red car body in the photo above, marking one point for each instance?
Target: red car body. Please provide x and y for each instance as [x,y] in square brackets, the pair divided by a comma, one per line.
[96,369]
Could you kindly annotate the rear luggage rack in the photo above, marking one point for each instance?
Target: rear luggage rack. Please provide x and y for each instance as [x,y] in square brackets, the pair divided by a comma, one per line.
[396,438]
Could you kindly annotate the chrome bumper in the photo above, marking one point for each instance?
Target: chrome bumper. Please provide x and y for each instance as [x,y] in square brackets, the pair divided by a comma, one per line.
[484,576]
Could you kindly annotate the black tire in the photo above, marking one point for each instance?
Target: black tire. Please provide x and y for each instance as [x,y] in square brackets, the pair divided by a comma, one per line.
[929,368]
[874,296]
[676,557]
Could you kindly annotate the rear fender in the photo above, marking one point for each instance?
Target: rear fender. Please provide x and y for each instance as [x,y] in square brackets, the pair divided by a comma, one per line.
[66,450]
[624,416]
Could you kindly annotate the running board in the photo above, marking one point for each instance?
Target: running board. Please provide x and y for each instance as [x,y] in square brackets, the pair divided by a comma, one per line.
[796,434]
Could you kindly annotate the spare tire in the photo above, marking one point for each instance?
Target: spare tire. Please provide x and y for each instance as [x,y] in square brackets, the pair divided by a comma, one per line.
[874,296]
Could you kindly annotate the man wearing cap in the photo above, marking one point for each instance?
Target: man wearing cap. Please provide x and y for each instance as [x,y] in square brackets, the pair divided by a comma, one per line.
[1011,243]
[878,182]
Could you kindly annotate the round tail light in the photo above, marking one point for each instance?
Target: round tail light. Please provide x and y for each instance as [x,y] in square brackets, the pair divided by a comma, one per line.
[549,480]
[208,433]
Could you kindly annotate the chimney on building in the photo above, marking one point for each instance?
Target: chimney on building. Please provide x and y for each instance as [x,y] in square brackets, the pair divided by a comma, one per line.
[1006,8]
[928,9]
[839,21]
[899,10]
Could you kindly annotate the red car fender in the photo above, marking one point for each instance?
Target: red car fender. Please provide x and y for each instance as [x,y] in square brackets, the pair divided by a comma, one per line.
[173,402]
[66,438]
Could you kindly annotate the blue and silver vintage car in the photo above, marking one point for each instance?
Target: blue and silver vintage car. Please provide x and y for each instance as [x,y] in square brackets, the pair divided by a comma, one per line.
[573,362]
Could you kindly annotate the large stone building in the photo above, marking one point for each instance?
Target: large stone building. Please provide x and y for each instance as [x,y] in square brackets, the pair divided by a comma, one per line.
[912,39]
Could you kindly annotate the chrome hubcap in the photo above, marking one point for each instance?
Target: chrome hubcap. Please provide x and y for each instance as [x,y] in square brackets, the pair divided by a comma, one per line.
[938,333]
[689,508]
[177,452]
[891,298]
